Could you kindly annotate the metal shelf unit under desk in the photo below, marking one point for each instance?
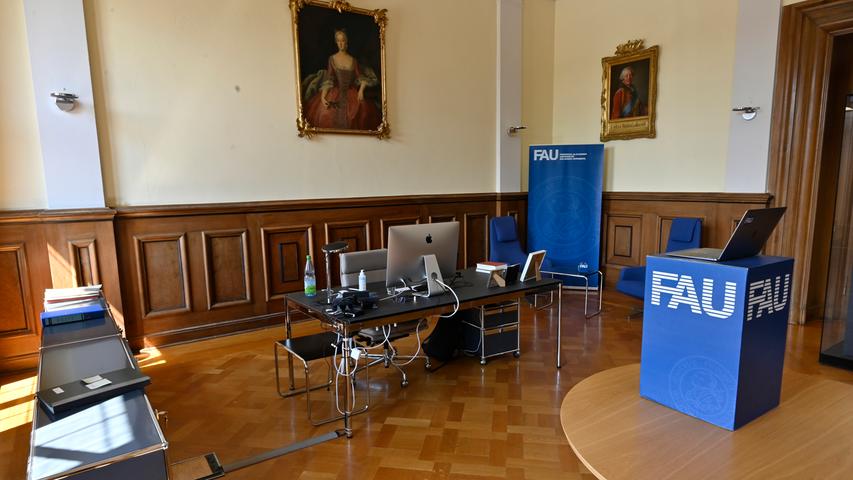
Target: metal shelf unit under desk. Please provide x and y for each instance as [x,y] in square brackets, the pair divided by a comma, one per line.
[497,329]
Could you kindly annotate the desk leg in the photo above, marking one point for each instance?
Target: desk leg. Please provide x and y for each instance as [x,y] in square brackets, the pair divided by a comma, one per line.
[288,336]
[559,320]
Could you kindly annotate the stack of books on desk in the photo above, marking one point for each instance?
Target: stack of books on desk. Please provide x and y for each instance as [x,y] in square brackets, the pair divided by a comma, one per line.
[66,305]
[489,267]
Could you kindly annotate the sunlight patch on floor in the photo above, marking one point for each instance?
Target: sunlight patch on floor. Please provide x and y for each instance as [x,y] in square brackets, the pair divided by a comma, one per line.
[22,413]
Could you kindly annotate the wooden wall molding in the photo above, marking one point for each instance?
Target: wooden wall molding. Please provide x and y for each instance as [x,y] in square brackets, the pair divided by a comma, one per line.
[227,275]
[163,274]
[317,204]
[685,197]
[623,234]
[56,216]
[84,258]
[283,254]
[441,218]
[386,223]
[355,233]
[16,316]
[475,233]
[806,37]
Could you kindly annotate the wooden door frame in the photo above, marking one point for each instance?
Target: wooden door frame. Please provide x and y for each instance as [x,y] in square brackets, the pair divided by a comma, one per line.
[803,64]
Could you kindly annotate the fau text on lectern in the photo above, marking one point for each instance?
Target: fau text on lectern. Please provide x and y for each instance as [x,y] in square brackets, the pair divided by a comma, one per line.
[714,336]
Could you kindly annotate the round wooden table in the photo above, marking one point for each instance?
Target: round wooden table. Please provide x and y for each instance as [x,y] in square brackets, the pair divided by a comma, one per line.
[619,435]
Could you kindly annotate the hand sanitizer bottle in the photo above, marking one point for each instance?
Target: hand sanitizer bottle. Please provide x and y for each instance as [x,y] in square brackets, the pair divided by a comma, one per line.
[362,281]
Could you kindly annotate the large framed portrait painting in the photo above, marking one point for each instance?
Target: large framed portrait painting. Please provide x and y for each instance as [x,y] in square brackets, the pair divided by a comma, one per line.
[629,92]
[340,68]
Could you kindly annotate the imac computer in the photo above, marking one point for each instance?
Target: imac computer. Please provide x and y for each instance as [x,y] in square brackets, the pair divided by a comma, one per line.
[422,252]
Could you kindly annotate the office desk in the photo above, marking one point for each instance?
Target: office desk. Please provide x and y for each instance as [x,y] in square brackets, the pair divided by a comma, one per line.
[472,292]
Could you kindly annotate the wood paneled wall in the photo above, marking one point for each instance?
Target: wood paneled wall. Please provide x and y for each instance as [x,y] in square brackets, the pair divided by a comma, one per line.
[49,249]
[637,224]
[195,271]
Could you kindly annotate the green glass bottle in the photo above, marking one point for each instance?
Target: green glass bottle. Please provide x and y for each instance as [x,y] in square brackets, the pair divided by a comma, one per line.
[310,278]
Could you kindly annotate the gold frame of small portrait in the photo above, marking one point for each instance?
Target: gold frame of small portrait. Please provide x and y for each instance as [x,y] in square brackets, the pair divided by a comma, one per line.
[380,17]
[632,127]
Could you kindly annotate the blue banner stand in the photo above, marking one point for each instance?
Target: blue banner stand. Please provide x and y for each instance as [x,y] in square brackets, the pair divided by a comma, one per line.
[564,208]
[714,336]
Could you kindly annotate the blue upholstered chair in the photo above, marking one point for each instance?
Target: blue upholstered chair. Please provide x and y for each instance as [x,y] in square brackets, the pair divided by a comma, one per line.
[684,233]
[504,245]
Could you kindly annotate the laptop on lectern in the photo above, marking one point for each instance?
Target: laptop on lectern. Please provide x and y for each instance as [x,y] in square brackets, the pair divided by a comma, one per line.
[747,240]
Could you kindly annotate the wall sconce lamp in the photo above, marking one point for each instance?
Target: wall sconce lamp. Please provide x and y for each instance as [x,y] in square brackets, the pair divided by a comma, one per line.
[515,129]
[64,100]
[748,113]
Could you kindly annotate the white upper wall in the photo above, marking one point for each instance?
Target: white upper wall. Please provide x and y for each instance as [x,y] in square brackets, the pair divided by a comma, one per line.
[21,172]
[697,45]
[754,75]
[175,129]
[196,103]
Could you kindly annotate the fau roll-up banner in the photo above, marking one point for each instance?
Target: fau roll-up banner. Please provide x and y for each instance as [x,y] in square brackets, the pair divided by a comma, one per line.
[564,206]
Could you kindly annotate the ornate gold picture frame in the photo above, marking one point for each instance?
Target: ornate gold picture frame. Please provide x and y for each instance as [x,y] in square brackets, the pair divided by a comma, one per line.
[629,92]
[339,51]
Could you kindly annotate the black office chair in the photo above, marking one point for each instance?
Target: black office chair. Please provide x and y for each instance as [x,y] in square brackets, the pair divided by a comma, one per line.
[374,263]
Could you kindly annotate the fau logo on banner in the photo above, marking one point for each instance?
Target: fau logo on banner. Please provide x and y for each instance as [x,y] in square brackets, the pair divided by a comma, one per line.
[554,154]
[765,296]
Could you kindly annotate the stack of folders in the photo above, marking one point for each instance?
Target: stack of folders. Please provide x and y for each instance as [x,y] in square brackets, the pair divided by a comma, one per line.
[489,267]
[66,305]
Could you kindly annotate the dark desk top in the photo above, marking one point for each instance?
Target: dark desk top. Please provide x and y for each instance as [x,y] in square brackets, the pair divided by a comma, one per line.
[79,331]
[470,288]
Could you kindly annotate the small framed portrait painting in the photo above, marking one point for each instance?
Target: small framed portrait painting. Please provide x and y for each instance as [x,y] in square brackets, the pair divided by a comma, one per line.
[340,68]
[629,92]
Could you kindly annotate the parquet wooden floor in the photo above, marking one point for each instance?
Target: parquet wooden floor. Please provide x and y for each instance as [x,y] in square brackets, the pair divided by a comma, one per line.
[463,421]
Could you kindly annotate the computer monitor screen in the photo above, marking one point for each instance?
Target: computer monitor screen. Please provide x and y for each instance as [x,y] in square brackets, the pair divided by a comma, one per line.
[407,244]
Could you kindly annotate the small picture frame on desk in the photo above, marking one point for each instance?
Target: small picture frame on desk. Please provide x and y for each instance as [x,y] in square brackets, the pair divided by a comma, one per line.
[533,266]
[503,277]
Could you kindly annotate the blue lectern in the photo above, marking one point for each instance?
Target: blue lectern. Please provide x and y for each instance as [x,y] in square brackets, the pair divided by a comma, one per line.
[714,336]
